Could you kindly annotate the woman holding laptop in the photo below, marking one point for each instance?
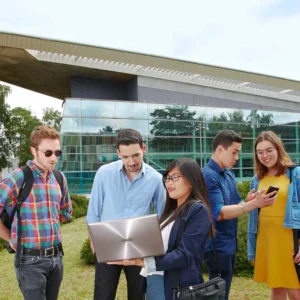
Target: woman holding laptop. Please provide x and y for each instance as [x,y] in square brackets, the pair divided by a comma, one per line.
[186,196]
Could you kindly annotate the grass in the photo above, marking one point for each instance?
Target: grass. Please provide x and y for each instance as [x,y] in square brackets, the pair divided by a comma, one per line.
[78,282]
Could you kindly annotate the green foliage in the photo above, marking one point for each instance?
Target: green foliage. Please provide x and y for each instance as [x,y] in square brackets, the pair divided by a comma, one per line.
[19,128]
[86,254]
[243,188]
[51,117]
[80,205]
[4,118]
[243,266]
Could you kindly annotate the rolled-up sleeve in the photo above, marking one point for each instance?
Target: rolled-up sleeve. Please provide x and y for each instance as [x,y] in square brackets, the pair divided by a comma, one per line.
[215,195]
[66,203]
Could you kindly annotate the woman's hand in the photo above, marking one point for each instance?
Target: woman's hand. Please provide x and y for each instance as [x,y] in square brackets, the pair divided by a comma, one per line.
[264,200]
[134,262]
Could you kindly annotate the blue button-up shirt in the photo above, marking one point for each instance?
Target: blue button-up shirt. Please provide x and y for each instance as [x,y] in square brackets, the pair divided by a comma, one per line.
[222,191]
[114,196]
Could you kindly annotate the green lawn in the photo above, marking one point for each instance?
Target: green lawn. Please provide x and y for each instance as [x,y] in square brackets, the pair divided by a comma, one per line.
[79,279]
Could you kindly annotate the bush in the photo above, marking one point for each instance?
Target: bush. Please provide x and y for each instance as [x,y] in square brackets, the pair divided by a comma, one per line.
[86,253]
[2,244]
[243,266]
[80,205]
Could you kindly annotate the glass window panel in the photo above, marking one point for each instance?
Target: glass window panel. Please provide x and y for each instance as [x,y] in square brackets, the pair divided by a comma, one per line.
[140,125]
[284,132]
[98,109]
[102,143]
[70,126]
[140,110]
[248,172]
[124,110]
[98,126]
[173,144]
[161,161]
[247,162]
[174,113]
[291,146]
[70,140]
[173,128]
[72,108]
[70,149]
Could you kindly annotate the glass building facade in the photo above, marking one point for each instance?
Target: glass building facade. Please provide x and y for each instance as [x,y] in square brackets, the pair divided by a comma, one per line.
[89,129]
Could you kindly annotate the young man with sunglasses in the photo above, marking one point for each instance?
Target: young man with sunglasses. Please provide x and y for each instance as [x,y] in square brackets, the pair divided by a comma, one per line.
[123,189]
[227,204]
[40,268]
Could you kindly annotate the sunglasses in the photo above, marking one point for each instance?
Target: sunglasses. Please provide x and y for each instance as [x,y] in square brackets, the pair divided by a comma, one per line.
[49,153]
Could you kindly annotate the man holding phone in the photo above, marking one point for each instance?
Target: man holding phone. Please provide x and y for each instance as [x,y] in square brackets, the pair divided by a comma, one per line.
[227,204]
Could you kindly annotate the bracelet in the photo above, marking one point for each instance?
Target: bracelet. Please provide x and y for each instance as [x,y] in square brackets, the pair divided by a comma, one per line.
[242,206]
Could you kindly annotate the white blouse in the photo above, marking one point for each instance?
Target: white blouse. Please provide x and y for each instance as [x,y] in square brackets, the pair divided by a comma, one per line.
[165,233]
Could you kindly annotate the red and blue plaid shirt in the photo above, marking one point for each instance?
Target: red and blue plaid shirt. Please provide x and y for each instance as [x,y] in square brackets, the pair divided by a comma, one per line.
[40,211]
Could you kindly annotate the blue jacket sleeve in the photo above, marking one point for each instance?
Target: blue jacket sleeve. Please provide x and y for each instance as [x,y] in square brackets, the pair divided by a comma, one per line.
[252,226]
[192,241]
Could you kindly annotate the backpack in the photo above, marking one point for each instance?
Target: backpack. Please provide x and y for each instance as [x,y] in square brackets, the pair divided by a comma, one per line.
[23,195]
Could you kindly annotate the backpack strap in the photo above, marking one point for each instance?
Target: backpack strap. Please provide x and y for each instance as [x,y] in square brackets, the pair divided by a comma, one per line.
[24,190]
[59,178]
[23,195]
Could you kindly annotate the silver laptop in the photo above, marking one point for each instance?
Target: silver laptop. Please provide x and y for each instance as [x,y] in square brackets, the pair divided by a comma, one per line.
[127,238]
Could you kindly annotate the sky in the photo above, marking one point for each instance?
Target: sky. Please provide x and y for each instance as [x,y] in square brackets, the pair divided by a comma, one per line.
[251,35]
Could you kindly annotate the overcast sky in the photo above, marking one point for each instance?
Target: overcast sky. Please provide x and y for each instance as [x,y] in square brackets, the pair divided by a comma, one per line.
[253,35]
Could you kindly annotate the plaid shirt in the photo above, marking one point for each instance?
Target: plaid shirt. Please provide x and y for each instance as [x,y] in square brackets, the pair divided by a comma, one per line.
[40,211]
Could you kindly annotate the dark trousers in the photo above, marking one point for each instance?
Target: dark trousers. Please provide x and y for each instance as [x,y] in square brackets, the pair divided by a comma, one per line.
[39,278]
[107,280]
[226,263]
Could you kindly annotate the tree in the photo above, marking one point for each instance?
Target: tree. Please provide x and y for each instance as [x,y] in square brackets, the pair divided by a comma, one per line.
[51,117]
[4,119]
[19,128]
[174,121]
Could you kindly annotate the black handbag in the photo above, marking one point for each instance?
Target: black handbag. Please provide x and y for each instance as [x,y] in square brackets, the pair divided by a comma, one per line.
[213,289]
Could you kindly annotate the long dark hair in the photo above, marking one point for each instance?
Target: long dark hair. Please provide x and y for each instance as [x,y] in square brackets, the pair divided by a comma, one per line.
[283,161]
[193,174]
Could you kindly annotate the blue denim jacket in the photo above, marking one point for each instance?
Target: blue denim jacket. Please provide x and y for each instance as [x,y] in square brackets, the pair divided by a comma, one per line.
[292,213]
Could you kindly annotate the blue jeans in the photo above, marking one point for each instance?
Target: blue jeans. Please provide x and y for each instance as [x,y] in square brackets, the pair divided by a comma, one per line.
[155,287]
[39,278]
[226,263]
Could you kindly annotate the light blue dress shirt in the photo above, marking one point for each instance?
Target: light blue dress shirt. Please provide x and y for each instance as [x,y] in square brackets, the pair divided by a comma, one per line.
[114,196]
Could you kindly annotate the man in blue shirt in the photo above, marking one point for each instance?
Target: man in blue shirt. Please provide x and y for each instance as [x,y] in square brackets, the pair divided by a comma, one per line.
[124,189]
[227,204]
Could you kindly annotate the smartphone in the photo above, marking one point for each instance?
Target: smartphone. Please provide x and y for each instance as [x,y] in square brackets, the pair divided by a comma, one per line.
[272,189]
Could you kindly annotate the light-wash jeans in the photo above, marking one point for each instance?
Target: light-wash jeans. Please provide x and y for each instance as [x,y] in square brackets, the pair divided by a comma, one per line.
[155,287]
[39,278]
